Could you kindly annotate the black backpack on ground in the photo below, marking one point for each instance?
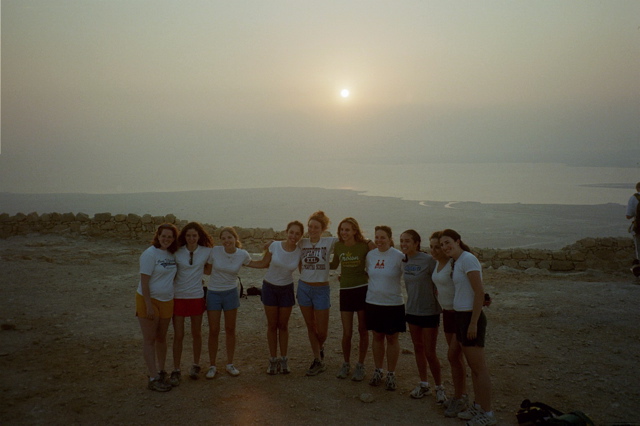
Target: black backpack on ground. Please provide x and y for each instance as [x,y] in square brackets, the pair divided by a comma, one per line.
[538,413]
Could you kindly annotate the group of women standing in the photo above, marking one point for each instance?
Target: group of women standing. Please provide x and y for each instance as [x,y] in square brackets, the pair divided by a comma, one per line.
[449,281]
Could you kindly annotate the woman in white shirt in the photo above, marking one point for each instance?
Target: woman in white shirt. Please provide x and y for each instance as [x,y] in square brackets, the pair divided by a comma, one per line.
[282,258]
[192,256]
[154,302]
[314,294]
[471,323]
[384,310]
[222,295]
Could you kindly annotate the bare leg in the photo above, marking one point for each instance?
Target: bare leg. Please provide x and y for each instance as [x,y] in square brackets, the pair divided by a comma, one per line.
[347,334]
[308,313]
[480,375]
[378,349]
[178,338]
[149,329]
[196,334]
[363,344]
[283,329]
[430,338]
[417,337]
[161,341]
[393,351]
[456,360]
[230,333]
[214,332]
[272,329]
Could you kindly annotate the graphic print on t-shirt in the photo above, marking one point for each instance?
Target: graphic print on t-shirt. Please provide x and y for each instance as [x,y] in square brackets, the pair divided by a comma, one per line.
[349,260]
[380,264]
[314,258]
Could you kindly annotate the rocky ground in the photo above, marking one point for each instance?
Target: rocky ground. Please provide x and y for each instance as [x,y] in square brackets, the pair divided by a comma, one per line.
[70,350]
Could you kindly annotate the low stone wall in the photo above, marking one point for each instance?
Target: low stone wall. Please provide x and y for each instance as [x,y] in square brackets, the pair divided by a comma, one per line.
[588,253]
[118,226]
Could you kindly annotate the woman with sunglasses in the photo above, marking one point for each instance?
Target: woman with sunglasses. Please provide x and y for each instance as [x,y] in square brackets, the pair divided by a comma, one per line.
[195,248]
[154,302]
[471,323]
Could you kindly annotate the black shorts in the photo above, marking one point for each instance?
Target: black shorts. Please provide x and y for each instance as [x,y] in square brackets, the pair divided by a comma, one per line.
[449,321]
[353,299]
[423,321]
[385,319]
[462,324]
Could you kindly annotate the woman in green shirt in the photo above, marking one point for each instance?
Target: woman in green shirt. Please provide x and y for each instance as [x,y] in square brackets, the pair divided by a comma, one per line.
[350,252]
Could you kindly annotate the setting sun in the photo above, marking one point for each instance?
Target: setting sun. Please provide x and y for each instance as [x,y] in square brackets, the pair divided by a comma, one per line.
[344,93]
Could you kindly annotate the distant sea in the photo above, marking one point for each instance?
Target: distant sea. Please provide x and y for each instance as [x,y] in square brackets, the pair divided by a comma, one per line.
[491,205]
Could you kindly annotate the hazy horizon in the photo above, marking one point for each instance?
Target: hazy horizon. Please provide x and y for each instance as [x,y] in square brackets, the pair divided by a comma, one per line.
[156,96]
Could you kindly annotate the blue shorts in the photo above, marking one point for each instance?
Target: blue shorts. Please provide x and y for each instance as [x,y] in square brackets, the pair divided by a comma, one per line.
[277,295]
[319,298]
[223,300]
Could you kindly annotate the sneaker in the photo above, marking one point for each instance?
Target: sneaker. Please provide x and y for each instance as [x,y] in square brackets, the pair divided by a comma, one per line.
[274,363]
[232,370]
[358,374]
[316,368]
[212,372]
[420,391]
[483,419]
[344,371]
[457,405]
[194,371]
[376,379]
[162,376]
[175,378]
[390,383]
[158,385]
[441,396]
[470,412]
[284,367]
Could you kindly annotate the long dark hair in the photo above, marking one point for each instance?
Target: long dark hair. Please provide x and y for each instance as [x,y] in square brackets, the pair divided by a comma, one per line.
[156,240]
[455,237]
[204,239]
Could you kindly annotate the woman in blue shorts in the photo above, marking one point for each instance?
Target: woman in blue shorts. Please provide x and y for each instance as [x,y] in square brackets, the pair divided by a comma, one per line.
[188,302]
[282,258]
[223,295]
[154,302]
[471,324]
[422,313]
[314,296]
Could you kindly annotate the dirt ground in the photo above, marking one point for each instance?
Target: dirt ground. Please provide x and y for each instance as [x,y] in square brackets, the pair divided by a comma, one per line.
[71,350]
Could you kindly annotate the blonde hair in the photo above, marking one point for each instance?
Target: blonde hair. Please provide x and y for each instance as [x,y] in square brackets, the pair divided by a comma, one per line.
[320,217]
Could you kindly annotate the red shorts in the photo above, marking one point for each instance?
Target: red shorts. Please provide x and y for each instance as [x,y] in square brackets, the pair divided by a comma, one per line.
[188,307]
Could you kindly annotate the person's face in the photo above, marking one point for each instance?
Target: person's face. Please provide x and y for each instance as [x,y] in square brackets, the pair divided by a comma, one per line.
[382,240]
[407,245]
[294,234]
[315,229]
[166,238]
[436,250]
[347,232]
[191,237]
[450,247]
[228,241]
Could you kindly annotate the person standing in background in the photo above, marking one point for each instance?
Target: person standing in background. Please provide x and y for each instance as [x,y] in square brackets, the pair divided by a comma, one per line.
[632,214]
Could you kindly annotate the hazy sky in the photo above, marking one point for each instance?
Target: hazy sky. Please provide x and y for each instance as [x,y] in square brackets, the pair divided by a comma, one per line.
[133,95]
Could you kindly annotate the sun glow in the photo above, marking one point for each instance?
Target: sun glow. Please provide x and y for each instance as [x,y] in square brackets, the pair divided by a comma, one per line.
[344,93]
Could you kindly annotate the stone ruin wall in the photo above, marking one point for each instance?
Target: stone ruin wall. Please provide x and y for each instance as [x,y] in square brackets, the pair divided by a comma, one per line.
[590,253]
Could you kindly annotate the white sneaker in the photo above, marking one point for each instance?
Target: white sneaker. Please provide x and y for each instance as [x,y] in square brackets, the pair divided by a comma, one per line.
[212,372]
[470,412]
[232,370]
[441,396]
[420,391]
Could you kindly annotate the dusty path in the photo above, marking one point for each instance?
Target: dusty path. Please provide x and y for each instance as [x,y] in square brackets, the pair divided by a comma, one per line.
[70,350]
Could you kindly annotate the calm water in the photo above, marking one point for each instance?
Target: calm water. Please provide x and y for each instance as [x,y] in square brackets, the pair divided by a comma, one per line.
[492,205]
